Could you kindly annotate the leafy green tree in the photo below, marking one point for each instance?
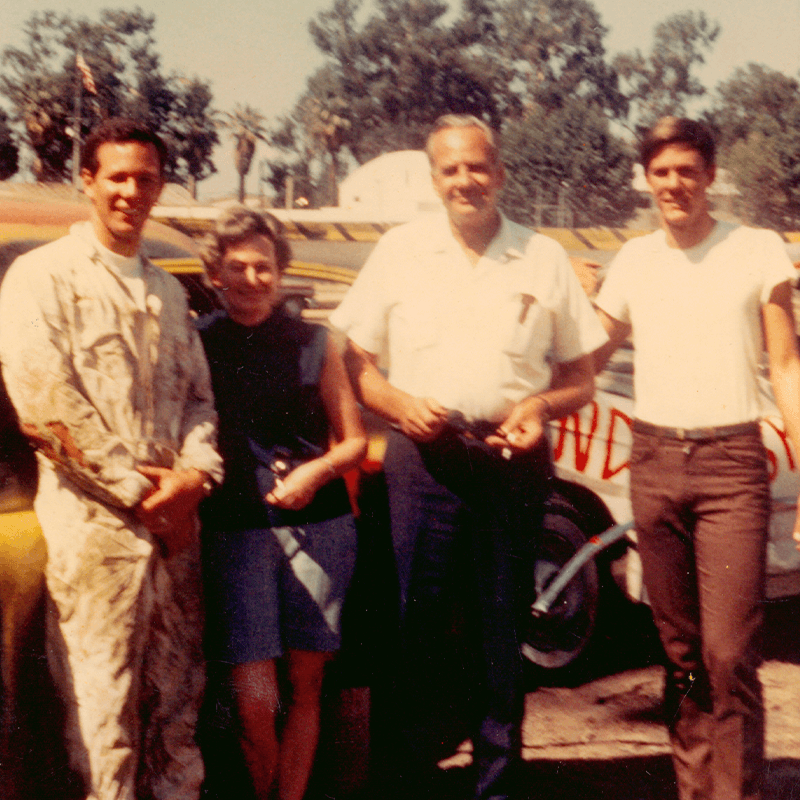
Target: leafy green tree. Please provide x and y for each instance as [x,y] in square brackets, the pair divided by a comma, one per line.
[40,81]
[408,63]
[515,63]
[539,52]
[323,116]
[40,90]
[397,72]
[568,158]
[661,83]
[755,165]
[757,115]
[247,128]
[193,124]
[9,152]
[303,187]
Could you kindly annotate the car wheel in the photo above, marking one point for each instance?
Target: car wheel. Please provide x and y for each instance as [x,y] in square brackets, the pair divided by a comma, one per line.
[559,639]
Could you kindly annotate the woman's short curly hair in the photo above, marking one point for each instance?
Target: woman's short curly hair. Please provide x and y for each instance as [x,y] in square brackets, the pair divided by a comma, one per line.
[238,224]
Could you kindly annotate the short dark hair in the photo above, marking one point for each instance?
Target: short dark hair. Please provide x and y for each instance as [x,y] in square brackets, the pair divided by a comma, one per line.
[238,224]
[464,121]
[120,129]
[677,130]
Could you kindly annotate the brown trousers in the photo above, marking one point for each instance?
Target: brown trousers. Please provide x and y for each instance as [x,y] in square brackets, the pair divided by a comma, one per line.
[702,513]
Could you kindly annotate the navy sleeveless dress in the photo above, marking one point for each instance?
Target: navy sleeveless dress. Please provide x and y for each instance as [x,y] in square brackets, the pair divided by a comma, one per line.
[274,578]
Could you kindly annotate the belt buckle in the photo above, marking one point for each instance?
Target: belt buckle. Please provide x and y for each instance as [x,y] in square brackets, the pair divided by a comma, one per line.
[680,434]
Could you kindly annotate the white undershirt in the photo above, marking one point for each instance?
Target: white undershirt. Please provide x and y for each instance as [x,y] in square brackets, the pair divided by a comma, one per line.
[131,271]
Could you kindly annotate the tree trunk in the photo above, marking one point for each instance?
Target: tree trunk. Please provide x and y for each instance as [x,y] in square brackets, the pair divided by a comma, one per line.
[333,189]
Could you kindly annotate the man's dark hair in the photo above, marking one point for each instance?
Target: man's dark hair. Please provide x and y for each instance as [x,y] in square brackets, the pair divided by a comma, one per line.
[677,130]
[120,129]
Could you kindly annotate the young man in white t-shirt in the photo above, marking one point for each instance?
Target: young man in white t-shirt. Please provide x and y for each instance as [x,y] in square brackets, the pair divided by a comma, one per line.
[701,300]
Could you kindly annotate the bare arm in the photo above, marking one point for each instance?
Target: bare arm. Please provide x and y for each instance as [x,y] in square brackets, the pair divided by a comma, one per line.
[349,440]
[784,366]
[572,387]
[617,333]
[586,269]
[421,418]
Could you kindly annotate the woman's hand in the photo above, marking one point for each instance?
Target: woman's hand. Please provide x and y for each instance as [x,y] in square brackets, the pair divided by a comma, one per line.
[298,488]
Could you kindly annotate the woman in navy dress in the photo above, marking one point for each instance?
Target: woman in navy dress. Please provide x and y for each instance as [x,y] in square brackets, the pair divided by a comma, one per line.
[278,537]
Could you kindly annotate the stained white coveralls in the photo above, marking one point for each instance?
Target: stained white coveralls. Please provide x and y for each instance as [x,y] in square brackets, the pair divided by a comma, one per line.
[108,374]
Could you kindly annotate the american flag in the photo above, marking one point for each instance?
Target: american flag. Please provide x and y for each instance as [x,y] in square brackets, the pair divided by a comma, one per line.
[88,78]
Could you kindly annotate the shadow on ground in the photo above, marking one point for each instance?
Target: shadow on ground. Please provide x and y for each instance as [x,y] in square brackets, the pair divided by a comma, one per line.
[40,772]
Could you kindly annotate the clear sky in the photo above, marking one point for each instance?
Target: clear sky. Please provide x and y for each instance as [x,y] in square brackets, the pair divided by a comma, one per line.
[261,53]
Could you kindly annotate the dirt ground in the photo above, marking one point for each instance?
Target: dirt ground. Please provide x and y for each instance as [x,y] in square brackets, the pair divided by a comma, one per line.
[604,738]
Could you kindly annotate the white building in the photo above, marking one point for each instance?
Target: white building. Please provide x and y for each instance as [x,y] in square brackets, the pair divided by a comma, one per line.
[394,185]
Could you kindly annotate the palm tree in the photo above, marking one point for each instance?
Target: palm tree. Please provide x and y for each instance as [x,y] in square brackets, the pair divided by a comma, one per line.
[326,126]
[247,126]
[324,115]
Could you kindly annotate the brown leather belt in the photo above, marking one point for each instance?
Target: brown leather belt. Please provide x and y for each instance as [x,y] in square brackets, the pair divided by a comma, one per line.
[696,434]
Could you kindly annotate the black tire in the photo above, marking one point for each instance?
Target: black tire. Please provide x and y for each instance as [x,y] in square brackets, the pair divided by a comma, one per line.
[560,639]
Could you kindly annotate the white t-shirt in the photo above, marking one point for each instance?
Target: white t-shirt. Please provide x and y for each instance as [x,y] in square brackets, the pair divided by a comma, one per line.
[130,269]
[696,322]
[478,339]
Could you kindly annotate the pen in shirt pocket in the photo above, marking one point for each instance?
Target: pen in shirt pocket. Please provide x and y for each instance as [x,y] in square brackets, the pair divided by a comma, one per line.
[527,301]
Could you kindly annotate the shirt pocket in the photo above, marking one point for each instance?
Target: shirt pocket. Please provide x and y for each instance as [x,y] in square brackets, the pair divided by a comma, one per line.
[524,325]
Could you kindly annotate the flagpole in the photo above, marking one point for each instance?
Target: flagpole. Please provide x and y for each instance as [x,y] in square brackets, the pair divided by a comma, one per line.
[76,130]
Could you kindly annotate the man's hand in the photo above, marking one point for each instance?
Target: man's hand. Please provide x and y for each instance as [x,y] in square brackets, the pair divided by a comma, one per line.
[298,488]
[523,427]
[168,512]
[422,418]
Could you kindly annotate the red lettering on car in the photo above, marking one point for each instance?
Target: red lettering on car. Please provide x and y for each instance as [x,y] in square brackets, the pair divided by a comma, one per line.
[609,471]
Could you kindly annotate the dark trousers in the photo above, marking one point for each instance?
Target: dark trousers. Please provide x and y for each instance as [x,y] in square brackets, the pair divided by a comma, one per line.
[464,528]
[702,513]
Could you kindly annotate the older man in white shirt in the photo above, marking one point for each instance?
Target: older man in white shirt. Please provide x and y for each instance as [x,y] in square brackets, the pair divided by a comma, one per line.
[487,334]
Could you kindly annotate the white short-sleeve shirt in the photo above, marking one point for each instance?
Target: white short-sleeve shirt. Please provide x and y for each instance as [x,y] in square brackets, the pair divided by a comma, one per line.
[477,338]
[696,322]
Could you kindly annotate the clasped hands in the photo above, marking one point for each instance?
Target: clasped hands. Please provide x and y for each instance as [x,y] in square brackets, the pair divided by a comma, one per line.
[169,510]
[423,419]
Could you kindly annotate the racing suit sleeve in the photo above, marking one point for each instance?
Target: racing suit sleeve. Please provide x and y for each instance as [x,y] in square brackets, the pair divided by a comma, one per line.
[35,352]
[199,429]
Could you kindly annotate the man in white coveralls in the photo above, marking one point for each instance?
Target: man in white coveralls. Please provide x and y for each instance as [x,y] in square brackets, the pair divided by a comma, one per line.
[109,380]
